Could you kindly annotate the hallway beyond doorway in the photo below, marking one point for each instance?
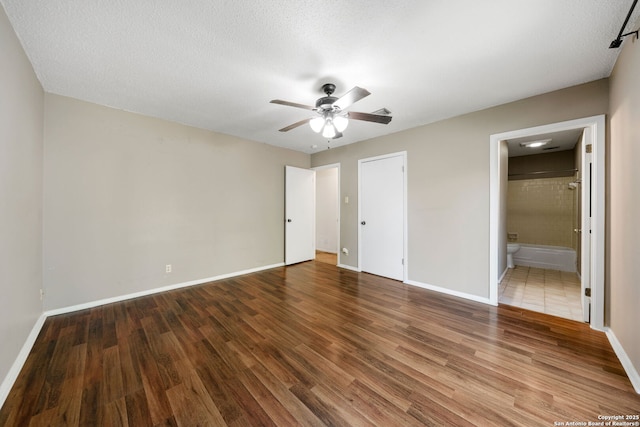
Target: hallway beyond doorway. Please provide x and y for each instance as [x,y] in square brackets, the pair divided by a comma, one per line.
[326,257]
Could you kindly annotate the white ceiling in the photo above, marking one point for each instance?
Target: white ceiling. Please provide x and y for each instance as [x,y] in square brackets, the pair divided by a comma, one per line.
[217,64]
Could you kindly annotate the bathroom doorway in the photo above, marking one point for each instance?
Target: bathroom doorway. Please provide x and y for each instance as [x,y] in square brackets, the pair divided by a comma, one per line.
[543,224]
[591,187]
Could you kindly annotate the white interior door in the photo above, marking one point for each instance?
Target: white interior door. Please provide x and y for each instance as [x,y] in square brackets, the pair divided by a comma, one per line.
[382,216]
[300,207]
[585,226]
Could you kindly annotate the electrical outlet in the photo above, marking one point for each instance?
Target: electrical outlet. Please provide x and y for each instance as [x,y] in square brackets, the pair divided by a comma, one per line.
[167,268]
[345,251]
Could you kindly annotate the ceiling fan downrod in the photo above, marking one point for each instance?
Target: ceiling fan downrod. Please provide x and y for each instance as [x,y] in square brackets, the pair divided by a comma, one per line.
[326,102]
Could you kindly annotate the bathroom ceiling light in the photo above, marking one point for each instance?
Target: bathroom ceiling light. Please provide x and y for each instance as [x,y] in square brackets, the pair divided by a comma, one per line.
[535,144]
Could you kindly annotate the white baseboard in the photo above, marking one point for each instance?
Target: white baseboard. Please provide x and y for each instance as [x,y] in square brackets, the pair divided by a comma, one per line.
[458,294]
[119,298]
[327,251]
[12,375]
[349,267]
[433,288]
[504,273]
[631,370]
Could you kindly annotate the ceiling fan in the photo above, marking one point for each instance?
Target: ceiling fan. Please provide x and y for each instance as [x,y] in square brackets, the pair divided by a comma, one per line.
[332,119]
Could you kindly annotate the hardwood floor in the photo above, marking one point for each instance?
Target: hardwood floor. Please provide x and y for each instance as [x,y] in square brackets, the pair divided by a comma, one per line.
[327,257]
[312,344]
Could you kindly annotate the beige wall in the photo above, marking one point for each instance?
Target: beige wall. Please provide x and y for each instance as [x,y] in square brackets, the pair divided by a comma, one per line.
[542,211]
[21,121]
[448,183]
[623,272]
[126,194]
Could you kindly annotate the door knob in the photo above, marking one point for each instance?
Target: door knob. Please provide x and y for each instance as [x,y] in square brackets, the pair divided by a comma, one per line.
[289,220]
[363,222]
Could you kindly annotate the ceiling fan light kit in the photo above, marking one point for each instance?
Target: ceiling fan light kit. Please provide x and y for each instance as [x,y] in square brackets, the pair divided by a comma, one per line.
[329,124]
[329,131]
[317,124]
[340,122]
[332,120]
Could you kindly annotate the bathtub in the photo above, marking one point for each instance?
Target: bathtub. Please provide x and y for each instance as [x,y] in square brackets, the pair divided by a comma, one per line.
[549,257]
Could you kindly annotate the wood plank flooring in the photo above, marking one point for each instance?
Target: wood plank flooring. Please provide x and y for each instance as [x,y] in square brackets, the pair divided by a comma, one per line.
[327,257]
[312,344]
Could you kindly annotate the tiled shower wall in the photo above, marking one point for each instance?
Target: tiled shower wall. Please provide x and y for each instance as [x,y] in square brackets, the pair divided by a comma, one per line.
[543,211]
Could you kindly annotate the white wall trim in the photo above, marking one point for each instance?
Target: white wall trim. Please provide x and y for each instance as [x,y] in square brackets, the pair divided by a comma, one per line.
[12,375]
[119,298]
[450,292]
[349,267]
[631,371]
[504,273]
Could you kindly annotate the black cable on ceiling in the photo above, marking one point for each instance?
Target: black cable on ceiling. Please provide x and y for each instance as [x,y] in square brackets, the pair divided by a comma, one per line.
[618,41]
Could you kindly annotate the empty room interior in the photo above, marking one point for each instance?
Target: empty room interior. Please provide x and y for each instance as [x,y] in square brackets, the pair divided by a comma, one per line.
[335,213]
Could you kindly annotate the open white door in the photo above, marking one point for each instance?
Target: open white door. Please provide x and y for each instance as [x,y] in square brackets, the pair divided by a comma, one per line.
[585,226]
[382,216]
[300,210]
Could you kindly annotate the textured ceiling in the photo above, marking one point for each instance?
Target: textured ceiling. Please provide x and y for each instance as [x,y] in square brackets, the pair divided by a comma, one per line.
[217,64]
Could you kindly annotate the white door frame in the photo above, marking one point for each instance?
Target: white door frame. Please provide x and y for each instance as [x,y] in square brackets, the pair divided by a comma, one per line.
[331,166]
[405,257]
[596,124]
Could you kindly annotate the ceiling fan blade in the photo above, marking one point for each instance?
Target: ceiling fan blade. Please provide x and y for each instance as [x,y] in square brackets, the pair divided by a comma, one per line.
[295,125]
[368,117]
[292,104]
[351,97]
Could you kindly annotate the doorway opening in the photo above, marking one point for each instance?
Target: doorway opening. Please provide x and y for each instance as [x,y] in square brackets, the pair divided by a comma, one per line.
[591,265]
[543,218]
[328,213]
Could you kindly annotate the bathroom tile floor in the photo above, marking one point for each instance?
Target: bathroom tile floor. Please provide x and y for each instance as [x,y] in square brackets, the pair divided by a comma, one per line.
[546,291]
